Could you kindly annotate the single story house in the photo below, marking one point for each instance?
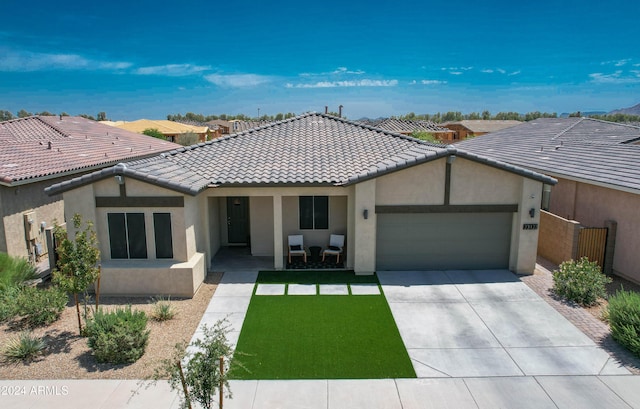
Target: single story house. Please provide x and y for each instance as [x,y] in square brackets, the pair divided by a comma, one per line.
[407,127]
[402,204]
[171,130]
[38,151]
[469,128]
[597,165]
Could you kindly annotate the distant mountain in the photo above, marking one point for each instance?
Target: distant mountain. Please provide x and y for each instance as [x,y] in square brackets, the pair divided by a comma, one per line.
[634,110]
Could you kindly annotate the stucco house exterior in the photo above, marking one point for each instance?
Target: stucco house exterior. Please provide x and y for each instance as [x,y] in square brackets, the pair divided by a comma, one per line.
[38,151]
[401,203]
[469,128]
[597,165]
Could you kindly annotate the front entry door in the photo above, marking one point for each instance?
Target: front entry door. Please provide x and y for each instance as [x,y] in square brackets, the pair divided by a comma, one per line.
[238,220]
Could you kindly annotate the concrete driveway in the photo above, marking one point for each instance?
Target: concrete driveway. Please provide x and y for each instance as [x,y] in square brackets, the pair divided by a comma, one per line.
[486,323]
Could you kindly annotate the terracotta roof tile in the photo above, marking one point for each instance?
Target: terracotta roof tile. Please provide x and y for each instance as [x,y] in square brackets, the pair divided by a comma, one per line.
[45,146]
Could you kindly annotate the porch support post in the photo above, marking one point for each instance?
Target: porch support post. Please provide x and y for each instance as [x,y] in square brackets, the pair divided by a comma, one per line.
[278,258]
[524,243]
[365,229]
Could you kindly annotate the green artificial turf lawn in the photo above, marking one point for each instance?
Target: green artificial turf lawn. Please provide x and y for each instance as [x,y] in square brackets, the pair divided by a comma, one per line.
[320,337]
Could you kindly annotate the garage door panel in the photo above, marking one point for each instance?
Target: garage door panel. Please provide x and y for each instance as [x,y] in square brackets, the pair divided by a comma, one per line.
[443,241]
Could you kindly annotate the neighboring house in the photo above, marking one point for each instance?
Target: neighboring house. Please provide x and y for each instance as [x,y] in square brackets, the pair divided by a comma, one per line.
[173,131]
[228,127]
[469,128]
[402,204]
[597,165]
[40,150]
[407,127]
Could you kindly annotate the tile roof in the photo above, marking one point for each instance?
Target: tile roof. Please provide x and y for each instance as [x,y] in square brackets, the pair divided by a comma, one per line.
[311,149]
[403,126]
[484,125]
[580,148]
[40,147]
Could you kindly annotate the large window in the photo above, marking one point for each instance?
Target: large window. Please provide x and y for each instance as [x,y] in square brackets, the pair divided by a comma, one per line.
[314,212]
[127,235]
[162,231]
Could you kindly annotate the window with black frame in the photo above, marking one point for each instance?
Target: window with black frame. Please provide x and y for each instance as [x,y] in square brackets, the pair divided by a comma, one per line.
[314,212]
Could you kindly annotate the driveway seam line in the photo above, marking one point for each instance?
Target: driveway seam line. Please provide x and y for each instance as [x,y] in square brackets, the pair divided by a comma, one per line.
[545,391]
[429,366]
[464,380]
[614,392]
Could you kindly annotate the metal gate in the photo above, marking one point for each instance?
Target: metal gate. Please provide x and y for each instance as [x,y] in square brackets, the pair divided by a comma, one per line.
[592,243]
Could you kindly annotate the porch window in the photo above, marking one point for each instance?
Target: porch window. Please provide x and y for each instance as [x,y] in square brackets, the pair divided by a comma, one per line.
[127,236]
[314,212]
[162,231]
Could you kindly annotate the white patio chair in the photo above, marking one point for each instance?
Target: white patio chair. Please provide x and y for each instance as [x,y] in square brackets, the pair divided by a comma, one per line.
[336,244]
[296,247]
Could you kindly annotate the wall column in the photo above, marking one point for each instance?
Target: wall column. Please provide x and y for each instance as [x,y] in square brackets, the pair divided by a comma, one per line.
[278,258]
[524,243]
[365,229]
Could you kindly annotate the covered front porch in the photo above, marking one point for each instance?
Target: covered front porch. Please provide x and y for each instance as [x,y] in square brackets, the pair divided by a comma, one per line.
[260,220]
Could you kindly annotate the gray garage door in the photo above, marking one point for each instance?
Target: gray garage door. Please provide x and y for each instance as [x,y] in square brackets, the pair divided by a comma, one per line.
[429,241]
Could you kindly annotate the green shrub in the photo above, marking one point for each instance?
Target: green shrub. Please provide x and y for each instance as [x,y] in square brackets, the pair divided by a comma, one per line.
[15,271]
[162,309]
[580,281]
[25,347]
[624,319]
[8,307]
[39,306]
[119,336]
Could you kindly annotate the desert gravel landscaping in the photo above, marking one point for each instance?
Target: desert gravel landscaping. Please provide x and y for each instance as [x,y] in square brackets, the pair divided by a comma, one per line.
[68,357]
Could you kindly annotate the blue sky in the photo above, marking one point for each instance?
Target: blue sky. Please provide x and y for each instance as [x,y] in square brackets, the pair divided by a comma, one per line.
[152,58]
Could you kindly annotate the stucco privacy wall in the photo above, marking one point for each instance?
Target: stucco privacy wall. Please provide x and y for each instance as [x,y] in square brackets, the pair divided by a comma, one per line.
[594,206]
[558,237]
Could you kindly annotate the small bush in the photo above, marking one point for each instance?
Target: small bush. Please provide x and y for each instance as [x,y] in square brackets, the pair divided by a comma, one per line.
[39,306]
[580,281]
[8,308]
[25,347]
[162,309]
[624,319]
[15,271]
[119,336]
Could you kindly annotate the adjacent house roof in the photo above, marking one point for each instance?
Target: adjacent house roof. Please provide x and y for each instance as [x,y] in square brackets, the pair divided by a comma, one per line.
[308,150]
[584,149]
[481,125]
[44,147]
[406,126]
[164,126]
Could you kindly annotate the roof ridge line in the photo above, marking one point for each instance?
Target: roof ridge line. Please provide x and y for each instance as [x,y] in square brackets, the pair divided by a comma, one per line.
[568,129]
[614,123]
[51,126]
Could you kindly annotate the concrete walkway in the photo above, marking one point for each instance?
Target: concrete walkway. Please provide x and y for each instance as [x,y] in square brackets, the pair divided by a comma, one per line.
[443,318]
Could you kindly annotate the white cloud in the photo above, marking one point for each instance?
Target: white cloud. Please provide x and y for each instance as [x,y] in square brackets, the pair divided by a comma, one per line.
[501,71]
[432,82]
[617,63]
[487,71]
[455,72]
[514,73]
[237,80]
[617,77]
[351,83]
[173,70]
[344,70]
[11,60]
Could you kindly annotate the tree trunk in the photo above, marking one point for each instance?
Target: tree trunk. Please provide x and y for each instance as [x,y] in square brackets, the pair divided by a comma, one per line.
[75,298]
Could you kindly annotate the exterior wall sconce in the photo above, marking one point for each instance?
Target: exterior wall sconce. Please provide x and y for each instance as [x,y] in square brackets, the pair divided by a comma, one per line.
[532,212]
[120,179]
[365,214]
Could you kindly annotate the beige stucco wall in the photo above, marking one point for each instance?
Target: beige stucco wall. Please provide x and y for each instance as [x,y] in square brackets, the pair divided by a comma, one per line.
[475,183]
[214,225]
[594,205]
[17,201]
[558,238]
[365,229]
[418,185]
[524,243]
[180,276]
[261,225]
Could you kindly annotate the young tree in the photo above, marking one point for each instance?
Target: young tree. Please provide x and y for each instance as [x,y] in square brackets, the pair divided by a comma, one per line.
[197,374]
[77,260]
[6,116]
[23,114]
[102,116]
